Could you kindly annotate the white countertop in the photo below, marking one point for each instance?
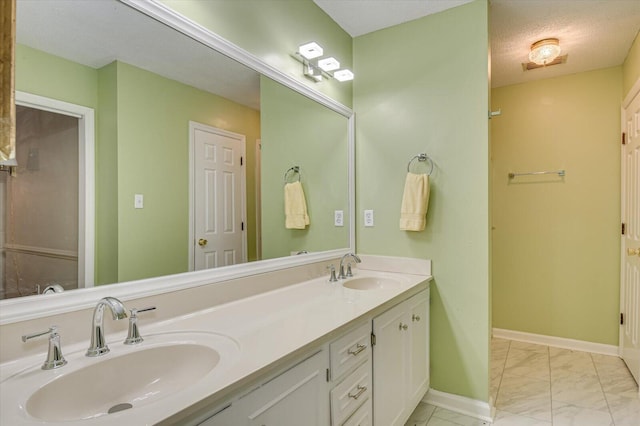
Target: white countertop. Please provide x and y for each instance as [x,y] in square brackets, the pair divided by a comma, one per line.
[268,328]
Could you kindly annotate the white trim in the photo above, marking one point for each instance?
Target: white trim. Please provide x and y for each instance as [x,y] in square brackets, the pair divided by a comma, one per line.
[557,342]
[635,89]
[460,404]
[194,125]
[86,176]
[171,18]
[31,307]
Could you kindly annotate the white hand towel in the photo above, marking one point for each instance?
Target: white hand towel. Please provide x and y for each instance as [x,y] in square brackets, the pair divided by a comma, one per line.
[415,200]
[295,206]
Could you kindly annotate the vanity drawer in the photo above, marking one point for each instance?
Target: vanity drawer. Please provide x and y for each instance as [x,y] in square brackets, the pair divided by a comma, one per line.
[362,416]
[350,350]
[350,393]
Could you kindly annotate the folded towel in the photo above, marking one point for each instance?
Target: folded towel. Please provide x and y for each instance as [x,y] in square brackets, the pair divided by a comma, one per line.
[295,206]
[413,212]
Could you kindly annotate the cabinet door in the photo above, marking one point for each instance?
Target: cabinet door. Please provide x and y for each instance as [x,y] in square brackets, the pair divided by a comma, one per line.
[418,379]
[299,396]
[390,366]
[223,417]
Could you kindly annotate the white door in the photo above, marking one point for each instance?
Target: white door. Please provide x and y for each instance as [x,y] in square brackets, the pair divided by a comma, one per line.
[630,274]
[219,234]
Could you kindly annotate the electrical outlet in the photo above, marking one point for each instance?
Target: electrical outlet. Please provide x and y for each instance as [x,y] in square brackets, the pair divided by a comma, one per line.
[368,218]
[338,218]
[138,201]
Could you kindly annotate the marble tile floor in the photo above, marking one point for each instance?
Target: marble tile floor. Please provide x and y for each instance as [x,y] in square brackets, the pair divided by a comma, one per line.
[534,385]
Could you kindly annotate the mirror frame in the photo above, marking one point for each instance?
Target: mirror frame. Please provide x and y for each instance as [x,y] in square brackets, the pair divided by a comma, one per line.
[31,307]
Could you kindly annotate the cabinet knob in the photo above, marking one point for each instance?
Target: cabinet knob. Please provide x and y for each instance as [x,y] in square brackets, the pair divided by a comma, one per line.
[415,317]
[403,326]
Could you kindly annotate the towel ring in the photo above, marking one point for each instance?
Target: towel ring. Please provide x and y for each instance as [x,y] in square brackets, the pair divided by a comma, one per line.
[292,170]
[421,157]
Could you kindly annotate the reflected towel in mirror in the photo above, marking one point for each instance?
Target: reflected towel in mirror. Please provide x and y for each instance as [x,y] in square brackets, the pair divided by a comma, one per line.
[415,200]
[295,206]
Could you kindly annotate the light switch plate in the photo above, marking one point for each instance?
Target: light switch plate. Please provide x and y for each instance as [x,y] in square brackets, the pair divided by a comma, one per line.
[138,201]
[338,218]
[368,218]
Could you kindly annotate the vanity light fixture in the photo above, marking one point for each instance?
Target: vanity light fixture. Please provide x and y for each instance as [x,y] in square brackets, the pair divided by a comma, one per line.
[329,64]
[543,52]
[310,50]
[343,75]
[318,69]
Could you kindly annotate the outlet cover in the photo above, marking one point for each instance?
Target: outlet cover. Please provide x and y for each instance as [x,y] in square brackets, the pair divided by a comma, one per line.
[368,218]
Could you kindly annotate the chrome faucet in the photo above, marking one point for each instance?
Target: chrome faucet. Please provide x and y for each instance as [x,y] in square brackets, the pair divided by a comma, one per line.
[98,344]
[54,354]
[342,274]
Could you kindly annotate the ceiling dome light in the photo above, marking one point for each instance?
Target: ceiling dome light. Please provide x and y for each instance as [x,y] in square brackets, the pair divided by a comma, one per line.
[544,51]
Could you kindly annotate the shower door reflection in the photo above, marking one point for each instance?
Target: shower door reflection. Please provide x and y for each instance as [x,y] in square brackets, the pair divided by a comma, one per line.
[39,205]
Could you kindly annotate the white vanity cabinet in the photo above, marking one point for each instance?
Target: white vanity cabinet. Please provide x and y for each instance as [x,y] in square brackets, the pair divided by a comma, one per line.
[299,396]
[351,377]
[400,360]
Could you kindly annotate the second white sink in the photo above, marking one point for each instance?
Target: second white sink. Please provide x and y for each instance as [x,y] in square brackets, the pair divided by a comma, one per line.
[370,283]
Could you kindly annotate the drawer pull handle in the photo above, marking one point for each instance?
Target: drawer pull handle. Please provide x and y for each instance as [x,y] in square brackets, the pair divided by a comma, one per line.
[415,317]
[359,348]
[361,390]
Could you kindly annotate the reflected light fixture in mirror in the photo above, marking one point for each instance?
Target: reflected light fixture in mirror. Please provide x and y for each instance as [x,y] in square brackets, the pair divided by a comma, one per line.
[544,51]
[325,67]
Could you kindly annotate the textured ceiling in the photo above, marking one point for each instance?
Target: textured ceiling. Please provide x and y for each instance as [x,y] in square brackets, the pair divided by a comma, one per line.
[95,33]
[594,33]
[358,17]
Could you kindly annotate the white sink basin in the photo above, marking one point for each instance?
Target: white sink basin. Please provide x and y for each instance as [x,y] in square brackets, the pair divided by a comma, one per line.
[370,283]
[122,382]
[126,380]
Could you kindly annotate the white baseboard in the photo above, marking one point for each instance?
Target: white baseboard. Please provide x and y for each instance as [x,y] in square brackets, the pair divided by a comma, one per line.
[558,342]
[460,404]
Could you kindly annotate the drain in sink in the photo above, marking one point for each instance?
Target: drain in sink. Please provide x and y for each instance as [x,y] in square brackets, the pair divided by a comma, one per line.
[119,407]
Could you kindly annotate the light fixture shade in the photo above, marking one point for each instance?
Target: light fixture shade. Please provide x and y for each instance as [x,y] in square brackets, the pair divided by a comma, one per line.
[343,75]
[310,50]
[544,51]
[329,64]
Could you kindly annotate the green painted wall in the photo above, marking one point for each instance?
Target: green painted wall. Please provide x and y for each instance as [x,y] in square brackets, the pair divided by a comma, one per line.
[298,131]
[142,141]
[73,82]
[430,96]
[106,256]
[556,242]
[273,30]
[153,147]
[631,67]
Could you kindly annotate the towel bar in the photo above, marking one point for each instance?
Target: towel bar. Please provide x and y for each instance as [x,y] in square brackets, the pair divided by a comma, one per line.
[560,173]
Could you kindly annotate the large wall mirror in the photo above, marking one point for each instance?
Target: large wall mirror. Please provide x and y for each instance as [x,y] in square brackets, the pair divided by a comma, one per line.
[190,148]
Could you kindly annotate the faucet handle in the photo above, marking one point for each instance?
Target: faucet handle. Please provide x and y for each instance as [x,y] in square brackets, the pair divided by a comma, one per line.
[133,336]
[332,271]
[55,359]
[349,273]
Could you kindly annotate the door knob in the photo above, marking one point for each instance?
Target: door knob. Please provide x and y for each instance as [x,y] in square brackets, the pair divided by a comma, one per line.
[633,252]
[202,242]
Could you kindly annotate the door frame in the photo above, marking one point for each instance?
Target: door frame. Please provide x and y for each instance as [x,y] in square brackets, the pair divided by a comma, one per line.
[635,91]
[193,126]
[86,176]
